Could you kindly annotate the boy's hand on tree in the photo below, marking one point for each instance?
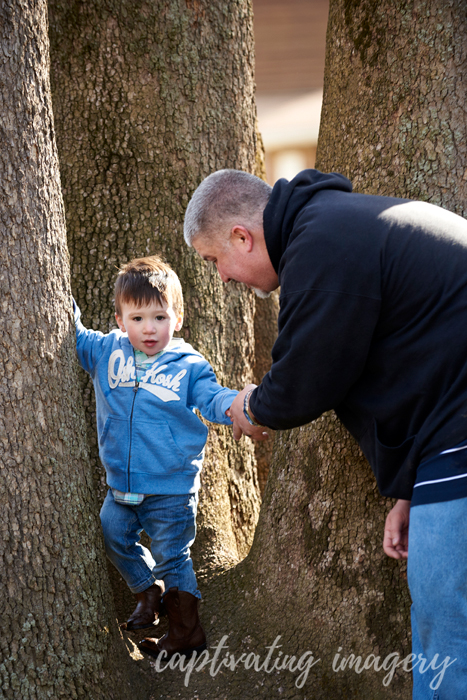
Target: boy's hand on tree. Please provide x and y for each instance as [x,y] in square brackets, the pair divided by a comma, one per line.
[396,531]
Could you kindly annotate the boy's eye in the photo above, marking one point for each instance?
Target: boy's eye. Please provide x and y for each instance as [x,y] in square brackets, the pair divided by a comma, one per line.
[160,318]
[137,318]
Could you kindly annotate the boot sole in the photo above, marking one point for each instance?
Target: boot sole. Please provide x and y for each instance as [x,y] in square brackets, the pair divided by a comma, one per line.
[150,625]
[187,653]
[136,628]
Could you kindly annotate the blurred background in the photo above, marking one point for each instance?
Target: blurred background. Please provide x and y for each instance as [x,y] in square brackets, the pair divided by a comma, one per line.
[290,40]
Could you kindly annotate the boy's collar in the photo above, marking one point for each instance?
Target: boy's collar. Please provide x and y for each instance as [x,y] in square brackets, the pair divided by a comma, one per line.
[173,344]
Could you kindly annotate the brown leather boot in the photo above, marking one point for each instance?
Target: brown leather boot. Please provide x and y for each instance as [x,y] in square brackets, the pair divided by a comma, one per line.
[185,634]
[148,608]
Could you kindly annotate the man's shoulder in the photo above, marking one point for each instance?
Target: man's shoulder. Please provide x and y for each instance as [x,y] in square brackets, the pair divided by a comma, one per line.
[350,211]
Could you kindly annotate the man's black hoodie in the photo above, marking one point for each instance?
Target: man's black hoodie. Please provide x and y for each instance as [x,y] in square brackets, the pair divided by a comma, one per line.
[372,322]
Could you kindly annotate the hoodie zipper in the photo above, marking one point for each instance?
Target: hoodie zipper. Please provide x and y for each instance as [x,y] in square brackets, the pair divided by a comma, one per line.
[135,391]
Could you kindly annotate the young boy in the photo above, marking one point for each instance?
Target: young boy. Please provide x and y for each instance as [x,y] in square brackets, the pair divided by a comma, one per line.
[147,385]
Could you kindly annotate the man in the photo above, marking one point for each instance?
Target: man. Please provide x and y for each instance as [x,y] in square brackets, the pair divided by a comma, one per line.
[372,323]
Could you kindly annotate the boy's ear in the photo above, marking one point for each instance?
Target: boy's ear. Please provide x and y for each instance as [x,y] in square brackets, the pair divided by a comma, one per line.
[120,322]
[179,323]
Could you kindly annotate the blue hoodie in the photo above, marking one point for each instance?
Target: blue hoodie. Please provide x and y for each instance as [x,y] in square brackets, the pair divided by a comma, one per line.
[150,439]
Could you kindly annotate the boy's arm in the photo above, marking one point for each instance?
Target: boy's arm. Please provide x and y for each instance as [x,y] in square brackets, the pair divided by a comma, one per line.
[214,400]
[208,396]
[88,342]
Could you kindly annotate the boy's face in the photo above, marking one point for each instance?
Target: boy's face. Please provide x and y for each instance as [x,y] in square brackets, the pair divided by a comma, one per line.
[150,328]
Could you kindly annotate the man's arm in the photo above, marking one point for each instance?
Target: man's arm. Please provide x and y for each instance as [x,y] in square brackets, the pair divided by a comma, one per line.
[320,352]
[396,531]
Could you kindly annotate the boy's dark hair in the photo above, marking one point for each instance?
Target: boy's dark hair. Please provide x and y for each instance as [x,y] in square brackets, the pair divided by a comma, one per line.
[142,280]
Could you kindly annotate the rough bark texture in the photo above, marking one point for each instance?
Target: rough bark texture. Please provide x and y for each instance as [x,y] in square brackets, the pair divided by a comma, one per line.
[316,574]
[265,325]
[58,635]
[149,98]
[265,332]
[394,118]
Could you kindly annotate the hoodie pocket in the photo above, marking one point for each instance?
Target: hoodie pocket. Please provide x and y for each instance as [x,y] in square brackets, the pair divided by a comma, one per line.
[393,476]
[154,450]
[114,443]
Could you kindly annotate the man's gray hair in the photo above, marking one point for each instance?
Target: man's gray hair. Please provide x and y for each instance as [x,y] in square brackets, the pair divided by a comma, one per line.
[223,199]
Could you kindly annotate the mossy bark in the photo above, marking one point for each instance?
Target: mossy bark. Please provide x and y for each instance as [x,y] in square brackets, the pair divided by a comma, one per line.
[59,638]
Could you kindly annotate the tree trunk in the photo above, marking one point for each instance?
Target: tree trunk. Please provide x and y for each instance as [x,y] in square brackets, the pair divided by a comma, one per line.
[58,635]
[266,313]
[393,117]
[394,123]
[149,98]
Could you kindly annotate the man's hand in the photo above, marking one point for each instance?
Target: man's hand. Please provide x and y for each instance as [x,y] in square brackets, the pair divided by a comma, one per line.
[396,531]
[241,426]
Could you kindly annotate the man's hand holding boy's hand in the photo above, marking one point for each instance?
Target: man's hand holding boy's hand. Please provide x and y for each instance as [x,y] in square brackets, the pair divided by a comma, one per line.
[396,531]
[257,433]
[241,425]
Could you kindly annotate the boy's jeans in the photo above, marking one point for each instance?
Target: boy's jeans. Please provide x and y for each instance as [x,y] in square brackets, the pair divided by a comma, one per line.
[170,522]
[437,574]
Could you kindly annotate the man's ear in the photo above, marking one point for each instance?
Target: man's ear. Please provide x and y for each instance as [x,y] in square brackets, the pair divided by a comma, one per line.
[242,237]
[120,322]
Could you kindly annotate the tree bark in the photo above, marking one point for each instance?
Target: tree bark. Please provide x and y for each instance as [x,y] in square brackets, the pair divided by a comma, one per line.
[401,128]
[265,333]
[265,327]
[149,98]
[58,635]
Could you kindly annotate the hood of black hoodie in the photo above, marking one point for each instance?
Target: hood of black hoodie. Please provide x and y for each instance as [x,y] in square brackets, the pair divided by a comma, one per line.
[286,202]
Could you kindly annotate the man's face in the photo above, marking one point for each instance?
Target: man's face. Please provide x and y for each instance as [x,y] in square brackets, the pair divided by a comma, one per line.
[238,261]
